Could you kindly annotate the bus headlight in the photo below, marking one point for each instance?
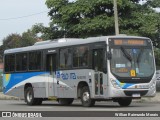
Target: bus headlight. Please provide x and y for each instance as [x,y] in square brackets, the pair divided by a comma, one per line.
[115,84]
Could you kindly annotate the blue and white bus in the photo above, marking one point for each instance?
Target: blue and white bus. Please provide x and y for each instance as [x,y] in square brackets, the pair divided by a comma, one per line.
[117,68]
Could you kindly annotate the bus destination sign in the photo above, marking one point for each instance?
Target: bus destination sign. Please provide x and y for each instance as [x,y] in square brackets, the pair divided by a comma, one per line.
[130,42]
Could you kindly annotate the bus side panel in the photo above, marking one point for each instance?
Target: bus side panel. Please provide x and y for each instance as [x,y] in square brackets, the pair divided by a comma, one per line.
[69,80]
[67,84]
[51,86]
[14,83]
[39,89]
[17,92]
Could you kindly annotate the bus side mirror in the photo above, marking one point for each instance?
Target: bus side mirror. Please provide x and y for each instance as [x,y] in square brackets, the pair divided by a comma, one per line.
[109,55]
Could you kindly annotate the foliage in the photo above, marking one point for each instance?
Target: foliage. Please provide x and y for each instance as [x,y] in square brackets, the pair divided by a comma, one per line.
[84,18]
[47,32]
[15,40]
[12,41]
[28,38]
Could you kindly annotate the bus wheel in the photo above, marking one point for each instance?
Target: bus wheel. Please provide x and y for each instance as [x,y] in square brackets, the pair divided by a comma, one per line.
[124,101]
[85,97]
[29,96]
[65,101]
[38,101]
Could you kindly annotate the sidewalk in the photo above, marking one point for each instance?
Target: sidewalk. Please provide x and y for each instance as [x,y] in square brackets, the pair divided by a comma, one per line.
[6,97]
[155,99]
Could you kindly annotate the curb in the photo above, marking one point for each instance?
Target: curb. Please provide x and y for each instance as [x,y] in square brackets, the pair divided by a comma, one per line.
[155,99]
[6,97]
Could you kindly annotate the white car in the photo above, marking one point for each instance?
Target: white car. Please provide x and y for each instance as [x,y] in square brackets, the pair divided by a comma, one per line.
[158,80]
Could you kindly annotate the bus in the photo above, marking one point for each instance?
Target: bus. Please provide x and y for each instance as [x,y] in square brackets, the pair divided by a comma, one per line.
[117,68]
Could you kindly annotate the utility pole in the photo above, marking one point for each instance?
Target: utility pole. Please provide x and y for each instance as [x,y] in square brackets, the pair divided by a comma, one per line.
[116,18]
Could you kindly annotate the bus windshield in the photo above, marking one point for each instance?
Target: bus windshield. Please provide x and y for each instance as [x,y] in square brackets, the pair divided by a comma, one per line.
[132,62]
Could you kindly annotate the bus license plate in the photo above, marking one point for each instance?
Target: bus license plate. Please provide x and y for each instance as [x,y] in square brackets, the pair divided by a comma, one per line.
[136,95]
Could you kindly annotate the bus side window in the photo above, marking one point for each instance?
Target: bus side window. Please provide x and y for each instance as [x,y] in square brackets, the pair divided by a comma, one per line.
[97,61]
[35,60]
[21,62]
[81,56]
[65,58]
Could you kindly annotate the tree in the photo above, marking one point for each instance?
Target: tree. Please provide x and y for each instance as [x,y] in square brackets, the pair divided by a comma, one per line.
[12,41]
[52,32]
[15,40]
[84,18]
[28,38]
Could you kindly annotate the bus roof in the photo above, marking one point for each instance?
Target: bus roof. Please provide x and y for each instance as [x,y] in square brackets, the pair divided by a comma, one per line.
[64,42]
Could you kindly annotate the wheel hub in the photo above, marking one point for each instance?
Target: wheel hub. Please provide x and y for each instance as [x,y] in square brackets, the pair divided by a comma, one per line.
[85,96]
[29,96]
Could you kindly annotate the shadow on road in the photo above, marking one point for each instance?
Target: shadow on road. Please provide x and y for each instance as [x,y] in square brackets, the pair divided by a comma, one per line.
[78,105]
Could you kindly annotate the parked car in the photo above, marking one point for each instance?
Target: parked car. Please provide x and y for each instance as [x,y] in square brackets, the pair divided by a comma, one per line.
[158,80]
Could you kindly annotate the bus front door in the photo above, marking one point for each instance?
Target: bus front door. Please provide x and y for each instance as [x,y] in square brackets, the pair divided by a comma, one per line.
[51,67]
[98,74]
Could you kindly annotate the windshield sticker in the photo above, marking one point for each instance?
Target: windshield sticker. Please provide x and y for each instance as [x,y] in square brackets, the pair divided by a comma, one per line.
[120,65]
[121,70]
[137,70]
[134,51]
[133,73]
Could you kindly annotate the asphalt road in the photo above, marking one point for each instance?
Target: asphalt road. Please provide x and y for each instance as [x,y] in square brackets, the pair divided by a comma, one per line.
[100,107]
[20,105]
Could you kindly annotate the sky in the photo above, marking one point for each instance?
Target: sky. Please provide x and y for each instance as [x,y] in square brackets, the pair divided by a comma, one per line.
[13,16]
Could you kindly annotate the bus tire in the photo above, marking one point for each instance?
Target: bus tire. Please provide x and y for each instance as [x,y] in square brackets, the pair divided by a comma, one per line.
[65,101]
[38,101]
[124,102]
[29,96]
[86,98]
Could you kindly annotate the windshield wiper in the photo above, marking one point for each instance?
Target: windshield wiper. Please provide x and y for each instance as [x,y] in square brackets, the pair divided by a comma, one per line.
[126,54]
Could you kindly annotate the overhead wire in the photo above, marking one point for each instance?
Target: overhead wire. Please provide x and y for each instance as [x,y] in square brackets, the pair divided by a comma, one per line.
[20,17]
